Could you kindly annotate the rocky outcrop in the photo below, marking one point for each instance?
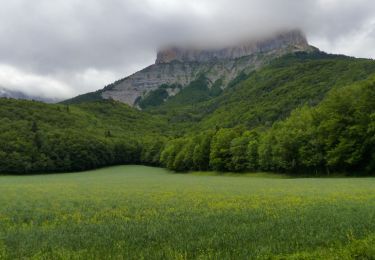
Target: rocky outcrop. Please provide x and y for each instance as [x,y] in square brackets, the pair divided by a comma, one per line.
[150,78]
[293,38]
[182,66]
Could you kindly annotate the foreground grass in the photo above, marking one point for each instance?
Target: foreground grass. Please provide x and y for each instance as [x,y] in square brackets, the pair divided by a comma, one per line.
[135,212]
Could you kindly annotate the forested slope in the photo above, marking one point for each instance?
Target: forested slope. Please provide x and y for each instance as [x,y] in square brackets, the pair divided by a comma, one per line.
[338,135]
[38,137]
[304,113]
[271,93]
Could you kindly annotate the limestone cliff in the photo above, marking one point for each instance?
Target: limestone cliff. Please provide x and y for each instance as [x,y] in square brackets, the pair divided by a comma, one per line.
[293,38]
[182,66]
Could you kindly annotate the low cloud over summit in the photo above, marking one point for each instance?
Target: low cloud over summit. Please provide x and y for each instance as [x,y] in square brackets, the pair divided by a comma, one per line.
[64,48]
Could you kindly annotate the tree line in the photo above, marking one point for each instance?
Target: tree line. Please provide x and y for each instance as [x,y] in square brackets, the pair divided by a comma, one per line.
[338,135]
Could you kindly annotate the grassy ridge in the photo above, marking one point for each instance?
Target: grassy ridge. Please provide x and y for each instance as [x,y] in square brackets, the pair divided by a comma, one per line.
[135,212]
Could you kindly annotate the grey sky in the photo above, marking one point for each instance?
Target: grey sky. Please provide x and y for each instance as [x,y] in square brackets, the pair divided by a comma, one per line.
[62,48]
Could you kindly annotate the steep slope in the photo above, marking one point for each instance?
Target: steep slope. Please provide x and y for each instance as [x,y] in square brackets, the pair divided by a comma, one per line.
[176,68]
[269,94]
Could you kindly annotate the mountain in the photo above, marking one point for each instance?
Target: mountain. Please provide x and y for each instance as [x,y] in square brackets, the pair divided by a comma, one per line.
[295,110]
[268,94]
[6,93]
[294,39]
[175,68]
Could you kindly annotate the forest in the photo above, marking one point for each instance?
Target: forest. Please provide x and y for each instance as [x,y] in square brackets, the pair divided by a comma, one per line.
[304,114]
[337,136]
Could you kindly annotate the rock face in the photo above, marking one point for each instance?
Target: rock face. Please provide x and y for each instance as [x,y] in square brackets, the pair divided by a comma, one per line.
[292,38]
[182,66]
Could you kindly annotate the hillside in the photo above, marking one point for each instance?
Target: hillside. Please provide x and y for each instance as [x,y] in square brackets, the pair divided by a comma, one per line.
[38,137]
[175,68]
[272,119]
[268,94]
[335,136]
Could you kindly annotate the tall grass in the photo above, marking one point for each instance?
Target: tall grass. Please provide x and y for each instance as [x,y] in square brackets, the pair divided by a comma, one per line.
[135,212]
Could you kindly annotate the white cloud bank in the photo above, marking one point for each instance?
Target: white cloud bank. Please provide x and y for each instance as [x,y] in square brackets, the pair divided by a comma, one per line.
[62,48]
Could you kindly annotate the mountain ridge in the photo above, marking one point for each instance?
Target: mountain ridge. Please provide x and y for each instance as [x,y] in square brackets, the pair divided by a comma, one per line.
[185,66]
[277,41]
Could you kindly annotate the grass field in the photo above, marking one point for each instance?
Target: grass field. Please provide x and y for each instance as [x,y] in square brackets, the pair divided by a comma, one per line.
[135,212]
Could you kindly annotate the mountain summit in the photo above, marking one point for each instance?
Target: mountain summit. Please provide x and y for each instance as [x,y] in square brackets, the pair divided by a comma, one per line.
[176,68]
[294,38]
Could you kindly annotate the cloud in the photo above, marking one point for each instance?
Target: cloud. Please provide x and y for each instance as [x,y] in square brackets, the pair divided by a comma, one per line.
[31,84]
[68,47]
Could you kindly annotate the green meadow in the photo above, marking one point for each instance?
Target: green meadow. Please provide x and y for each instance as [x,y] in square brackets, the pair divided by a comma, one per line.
[139,212]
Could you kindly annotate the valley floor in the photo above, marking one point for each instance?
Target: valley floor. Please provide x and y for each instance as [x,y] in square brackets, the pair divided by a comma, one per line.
[135,212]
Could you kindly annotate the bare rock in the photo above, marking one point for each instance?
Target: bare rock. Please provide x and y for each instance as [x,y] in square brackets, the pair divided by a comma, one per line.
[182,66]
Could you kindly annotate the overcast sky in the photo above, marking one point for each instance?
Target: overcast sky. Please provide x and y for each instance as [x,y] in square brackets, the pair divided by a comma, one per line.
[62,48]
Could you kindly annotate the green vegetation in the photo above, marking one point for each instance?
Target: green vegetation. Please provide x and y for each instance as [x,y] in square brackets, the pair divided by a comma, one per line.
[273,92]
[197,91]
[154,98]
[92,96]
[138,212]
[37,137]
[304,113]
[335,136]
